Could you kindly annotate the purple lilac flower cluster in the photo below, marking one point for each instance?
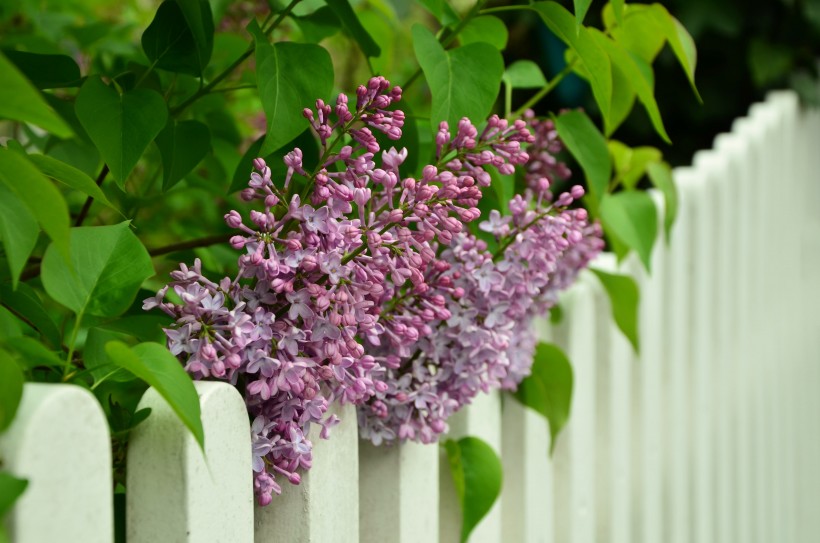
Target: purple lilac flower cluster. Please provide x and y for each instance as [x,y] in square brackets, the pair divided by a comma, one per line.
[335,277]
[486,342]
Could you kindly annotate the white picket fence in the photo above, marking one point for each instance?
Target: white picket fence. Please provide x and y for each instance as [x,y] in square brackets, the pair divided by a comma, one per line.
[712,435]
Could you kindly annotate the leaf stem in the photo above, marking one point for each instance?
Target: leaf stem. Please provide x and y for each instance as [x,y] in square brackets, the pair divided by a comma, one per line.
[87,205]
[538,96]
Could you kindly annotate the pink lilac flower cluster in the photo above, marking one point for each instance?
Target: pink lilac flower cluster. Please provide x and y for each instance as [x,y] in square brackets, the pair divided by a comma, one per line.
[337,272]
[486,342]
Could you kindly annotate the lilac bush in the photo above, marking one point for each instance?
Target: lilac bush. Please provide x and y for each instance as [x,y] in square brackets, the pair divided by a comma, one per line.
[361,286]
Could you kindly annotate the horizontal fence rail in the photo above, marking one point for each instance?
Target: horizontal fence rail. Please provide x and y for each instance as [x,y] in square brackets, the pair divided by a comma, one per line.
[710,434]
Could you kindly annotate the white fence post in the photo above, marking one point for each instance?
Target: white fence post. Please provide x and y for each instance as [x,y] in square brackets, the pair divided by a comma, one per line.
[398,493]
[325,506]
[481,419]
[59,441]
[176,494]
[527,490]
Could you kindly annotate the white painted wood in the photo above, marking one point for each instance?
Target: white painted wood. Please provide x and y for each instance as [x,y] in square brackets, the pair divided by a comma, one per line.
[481,419]
[59,441]
[575,459]
[177,494]
[679,327]
[398,493]
[325,506]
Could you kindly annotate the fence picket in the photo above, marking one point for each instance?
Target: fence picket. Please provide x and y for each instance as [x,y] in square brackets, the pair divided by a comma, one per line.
[59,441]
[177,494]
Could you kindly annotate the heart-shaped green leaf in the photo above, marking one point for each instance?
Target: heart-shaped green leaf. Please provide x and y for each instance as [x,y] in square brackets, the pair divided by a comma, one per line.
[182,144]
[121,126]
[477,476]
[486,29]
[155,365]
[290,77]
[180,38]
[109,264]
[464,81]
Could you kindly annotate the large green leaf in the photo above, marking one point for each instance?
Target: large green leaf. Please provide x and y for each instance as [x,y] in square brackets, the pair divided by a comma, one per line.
[487,29]
[618,9]
[25,302]
[661,176]
[71,177]
[109,263]
[20,101]
[639,32]
[477,476]
[595,61]
[18,231]
[11,488]
[624,301]
[680,41]
[30,353]
[631,217]
[319,25]
[46,71]
[155,365]
[182,144]
[11,389]
[581,7]
[630,164]
[290,77]
[42,200]
[464,82]
[548,389]
[588,146]
[121,126]
[441,10]
[354,27]
[640,76]
[623,99]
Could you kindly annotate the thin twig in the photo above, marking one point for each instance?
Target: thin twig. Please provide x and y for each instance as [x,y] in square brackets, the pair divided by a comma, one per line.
[87,205]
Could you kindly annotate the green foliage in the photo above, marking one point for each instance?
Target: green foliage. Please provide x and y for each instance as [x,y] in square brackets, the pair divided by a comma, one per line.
[155,365]
[11,390]
[182,144]
[71,177]
[524,74]
[352,25]
[46,71]
[477,66]
[25,302]
[631,218]
[477,476]
[624,301]
[487,29]
[108,265]
[548,389]
[588,146]
[11,488]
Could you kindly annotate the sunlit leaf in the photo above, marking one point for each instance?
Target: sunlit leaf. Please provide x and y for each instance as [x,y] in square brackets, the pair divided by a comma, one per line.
[624,299]
[631,217]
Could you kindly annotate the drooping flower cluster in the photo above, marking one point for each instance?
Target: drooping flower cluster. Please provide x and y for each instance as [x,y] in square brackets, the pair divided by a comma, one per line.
[344,272]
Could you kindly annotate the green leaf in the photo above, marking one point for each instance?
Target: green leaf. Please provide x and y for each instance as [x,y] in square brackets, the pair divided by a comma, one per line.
[42,200]
[769,62]
[595,61]
[169,43]
[46,71]
[548,389]
[485,29]
[155,365]
[588,146]
[25,302]
[20,101]
[618,8]
[581,7]
[630,164]
[146,327]
[477,475]
[623,99]
[639,32]
[304,141]
[99,365]
[319,25]
[290,76]
[71,177]
[631,217]
[639,74]
[680,41]
[477,67]
[354,27]
[441,10]
[525,74]
[11,488]
[109,263]
[661,176]
[30,353]
[182,144]
[11,390]
[18,230]
[624,301]
[504,187]
[121,126]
